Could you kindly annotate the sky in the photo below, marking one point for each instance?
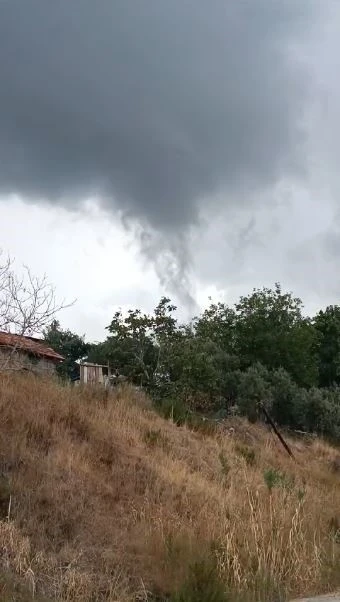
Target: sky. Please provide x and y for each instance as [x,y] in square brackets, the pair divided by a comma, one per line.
[186,148]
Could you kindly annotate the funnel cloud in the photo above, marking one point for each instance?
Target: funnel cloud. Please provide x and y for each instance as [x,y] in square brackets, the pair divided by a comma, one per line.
[154,107]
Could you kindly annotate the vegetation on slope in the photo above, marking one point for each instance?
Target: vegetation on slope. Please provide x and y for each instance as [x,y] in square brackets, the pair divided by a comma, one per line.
[111,502]
[262,349]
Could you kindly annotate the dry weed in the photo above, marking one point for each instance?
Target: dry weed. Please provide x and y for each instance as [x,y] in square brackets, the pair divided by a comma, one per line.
[111,502]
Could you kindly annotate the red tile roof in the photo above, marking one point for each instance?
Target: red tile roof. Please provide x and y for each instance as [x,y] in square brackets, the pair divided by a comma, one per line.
[29,344]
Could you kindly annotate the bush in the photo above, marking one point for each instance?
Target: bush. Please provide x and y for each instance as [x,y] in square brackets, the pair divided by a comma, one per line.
[312,410]
[274,478]
[203,584]
[317,410]
[284,393]
[231,383]
[247,453]
[173,409]
[253,388]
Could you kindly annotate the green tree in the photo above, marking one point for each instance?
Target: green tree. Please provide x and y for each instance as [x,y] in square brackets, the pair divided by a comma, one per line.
[271,329]
[198,368]
[263,350]
[253,388]
[132,333]
[70,345]
[284,393]
[217,323]
[327,325]
[143,341]
[114,351]
[164,334]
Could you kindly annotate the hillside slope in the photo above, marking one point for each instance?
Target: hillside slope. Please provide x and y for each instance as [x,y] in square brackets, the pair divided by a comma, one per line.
[111,502]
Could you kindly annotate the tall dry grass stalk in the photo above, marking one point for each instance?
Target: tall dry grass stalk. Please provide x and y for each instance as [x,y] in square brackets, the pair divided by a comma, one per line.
[110,502]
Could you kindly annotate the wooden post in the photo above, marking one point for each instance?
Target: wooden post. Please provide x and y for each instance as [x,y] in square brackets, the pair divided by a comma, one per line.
[279,436]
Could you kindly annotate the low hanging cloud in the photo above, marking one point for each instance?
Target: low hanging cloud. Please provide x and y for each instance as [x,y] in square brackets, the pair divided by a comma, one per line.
[153,106]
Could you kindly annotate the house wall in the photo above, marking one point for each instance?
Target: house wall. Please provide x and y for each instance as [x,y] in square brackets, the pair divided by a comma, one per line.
[20,360]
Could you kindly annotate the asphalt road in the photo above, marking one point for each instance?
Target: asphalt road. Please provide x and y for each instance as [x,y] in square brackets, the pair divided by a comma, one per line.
[328,598]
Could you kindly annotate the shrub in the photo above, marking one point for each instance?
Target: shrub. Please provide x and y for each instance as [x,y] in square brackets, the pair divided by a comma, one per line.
[231,383]
[203,584]
[173,409]
[274,478]
[253,388]
[317,410]
[247,453]
[154,437]
[271,478]
[284,392]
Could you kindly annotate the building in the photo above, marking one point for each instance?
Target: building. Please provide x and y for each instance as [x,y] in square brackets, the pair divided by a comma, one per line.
[23,353]
[91,374]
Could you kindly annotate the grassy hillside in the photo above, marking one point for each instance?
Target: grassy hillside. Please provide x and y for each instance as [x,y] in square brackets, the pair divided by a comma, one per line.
[111,502]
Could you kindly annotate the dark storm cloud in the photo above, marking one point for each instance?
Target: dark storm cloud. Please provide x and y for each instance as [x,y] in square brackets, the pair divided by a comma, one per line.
[155,105]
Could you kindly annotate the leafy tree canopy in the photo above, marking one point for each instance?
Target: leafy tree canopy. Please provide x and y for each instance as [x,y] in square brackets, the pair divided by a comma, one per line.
[71,346]
[262,349]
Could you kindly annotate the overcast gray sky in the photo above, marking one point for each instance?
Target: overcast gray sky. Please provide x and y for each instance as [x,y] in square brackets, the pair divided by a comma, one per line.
[187,147]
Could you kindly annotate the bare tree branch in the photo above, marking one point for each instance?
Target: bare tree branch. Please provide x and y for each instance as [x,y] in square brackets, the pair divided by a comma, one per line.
[27,303]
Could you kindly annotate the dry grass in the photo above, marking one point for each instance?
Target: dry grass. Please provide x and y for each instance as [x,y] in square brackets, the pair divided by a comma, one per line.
[110,502]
